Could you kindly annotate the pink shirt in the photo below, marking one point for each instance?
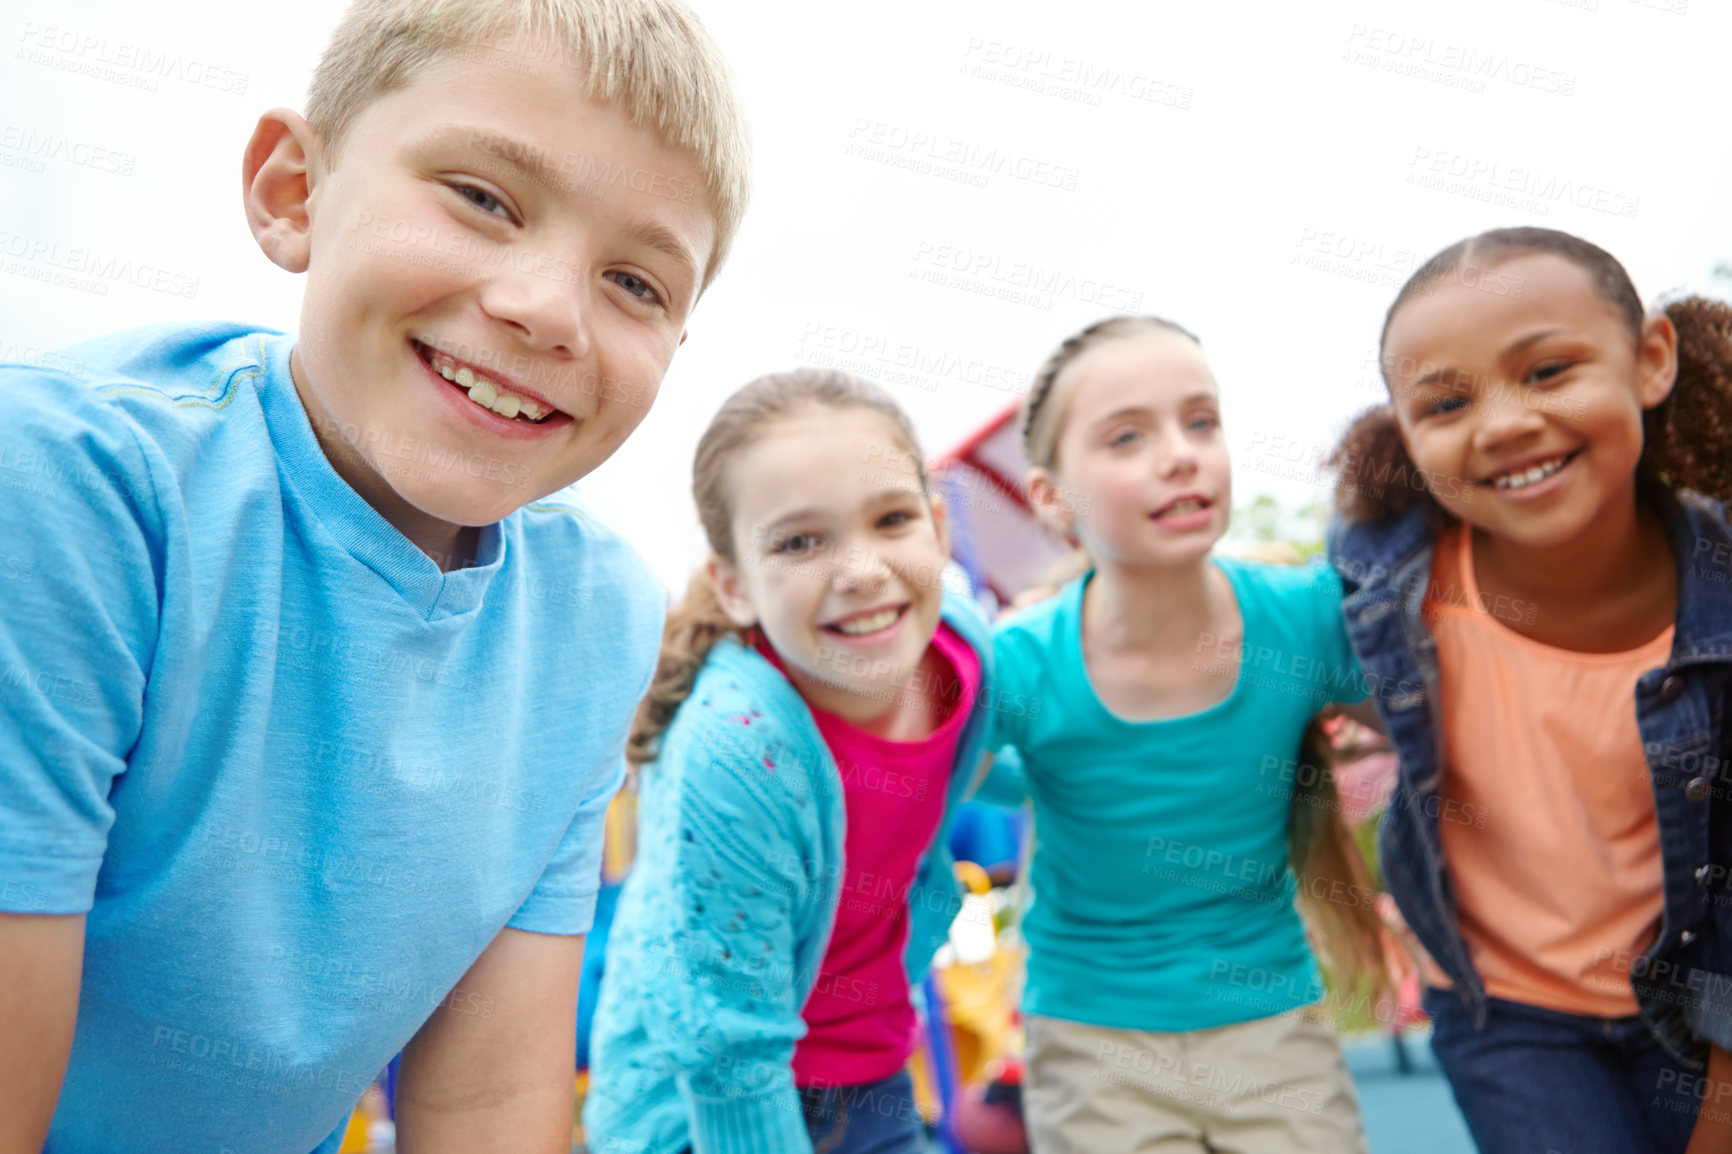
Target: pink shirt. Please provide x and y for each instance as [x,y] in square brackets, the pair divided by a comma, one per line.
[860,1025]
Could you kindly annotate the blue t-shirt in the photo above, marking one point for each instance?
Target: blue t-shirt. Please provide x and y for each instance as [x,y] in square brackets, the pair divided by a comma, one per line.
[1162,895]
[298,777]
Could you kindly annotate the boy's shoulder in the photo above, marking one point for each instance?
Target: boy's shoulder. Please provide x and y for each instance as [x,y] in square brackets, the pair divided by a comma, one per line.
[186,366]
[119,412]
[573,560]
[163,383]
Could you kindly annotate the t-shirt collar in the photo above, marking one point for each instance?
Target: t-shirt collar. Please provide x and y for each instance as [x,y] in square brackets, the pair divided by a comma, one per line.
[357,527]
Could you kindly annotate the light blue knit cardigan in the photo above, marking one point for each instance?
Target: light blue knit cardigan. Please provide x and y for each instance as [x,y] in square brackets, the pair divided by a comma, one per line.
[727,913]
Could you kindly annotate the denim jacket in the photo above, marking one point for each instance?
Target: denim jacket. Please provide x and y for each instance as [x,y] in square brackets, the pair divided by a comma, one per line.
[1683,982]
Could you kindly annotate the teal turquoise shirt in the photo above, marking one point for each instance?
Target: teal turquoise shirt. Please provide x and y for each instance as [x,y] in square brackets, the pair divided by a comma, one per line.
[725,918]
[1162,895]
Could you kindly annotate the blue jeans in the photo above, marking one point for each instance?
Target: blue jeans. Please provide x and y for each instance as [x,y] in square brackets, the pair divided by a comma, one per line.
[1537,1081]
[874,1118]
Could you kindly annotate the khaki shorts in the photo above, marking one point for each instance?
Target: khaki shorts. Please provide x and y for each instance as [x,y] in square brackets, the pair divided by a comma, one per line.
[1272,1086]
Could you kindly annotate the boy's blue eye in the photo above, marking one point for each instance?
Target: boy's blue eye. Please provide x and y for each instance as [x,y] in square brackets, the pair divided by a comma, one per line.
[482,199]
[1205,424]
[1124,438]
[637,287]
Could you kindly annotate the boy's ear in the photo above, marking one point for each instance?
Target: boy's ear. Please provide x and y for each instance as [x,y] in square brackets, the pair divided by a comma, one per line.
[276,187]
[1656,360]
[725,580]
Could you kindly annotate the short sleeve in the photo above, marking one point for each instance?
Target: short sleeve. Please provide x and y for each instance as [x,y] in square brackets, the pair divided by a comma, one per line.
[1344,679]
[563,900]
[80,571]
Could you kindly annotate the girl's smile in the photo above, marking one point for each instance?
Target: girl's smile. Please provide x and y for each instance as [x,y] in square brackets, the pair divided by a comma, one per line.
[838,566]
[1523,415]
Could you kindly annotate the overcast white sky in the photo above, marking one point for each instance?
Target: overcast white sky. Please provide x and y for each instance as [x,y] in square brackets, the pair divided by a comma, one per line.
[1265,173]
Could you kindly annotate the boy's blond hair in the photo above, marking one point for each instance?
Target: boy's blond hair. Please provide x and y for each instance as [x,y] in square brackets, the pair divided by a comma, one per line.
[651,59]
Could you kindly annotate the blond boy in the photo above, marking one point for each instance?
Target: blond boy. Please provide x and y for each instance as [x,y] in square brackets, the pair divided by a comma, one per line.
[310,707]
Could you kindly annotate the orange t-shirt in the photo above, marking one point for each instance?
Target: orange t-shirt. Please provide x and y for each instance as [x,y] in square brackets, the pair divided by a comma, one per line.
[1547,807]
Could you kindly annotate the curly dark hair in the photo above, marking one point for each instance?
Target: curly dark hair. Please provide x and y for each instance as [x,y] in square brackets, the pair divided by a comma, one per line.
[1686,439]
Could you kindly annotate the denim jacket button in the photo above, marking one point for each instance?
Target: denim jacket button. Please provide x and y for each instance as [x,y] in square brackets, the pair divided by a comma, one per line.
[1698,789]
[1671,687]
[1686,937]
[1702,873]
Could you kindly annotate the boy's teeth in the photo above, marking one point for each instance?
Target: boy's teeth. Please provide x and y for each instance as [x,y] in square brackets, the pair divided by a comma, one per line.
[1183,507]
[870,624]
[489,395]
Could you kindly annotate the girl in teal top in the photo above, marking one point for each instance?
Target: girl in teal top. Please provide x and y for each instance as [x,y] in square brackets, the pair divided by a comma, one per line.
[1155,708]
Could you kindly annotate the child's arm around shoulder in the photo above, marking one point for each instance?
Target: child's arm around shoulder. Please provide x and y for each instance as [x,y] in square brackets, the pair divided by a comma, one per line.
[80,566]
[738,866]
[1013,702]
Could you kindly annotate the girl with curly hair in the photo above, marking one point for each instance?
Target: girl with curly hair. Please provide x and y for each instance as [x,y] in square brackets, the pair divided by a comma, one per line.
[1534,541]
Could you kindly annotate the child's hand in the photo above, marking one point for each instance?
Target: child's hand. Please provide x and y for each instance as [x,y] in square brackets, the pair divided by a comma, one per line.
[1429,971]
[1713,1133]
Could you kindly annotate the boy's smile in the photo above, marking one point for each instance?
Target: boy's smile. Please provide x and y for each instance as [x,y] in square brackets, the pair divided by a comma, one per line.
[499,272]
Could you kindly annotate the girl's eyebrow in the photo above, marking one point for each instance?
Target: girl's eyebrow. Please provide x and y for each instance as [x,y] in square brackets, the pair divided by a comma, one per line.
[1442,376]
[885,495]
[1534,339]
[1144,410]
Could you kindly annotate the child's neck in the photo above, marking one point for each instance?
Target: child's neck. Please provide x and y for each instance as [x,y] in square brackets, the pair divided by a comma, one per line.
[447,545]
[1154,608]
[1160,642]
[1608,589]
[914,712]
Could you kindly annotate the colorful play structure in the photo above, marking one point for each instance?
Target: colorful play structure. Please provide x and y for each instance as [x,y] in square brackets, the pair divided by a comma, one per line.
[967,1071]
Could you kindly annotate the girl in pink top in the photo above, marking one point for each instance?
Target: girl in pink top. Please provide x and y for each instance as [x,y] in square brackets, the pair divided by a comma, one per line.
[812,724]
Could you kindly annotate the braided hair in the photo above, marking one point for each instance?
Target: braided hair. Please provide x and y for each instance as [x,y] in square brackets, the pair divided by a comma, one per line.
[1042,418]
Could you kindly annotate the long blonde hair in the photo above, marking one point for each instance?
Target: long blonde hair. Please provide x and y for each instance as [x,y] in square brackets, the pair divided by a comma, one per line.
[697,623]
